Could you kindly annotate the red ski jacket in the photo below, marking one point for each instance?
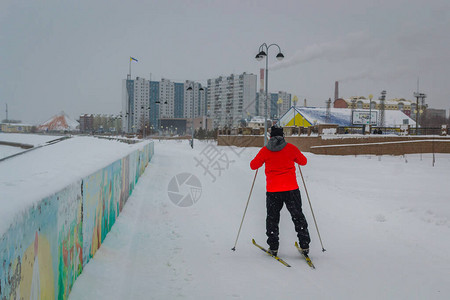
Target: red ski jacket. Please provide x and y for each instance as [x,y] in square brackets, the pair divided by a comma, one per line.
[280,167]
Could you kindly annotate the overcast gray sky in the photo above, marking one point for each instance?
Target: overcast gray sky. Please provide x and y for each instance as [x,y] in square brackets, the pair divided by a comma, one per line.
[73,55]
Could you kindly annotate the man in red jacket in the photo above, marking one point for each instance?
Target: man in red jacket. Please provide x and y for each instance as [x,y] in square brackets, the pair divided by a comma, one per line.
[280,158]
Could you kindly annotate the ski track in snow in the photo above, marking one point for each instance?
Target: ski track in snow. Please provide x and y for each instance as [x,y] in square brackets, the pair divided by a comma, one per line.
[384,222]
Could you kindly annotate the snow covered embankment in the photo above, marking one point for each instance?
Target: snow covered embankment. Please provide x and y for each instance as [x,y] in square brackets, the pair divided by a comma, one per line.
[46,247]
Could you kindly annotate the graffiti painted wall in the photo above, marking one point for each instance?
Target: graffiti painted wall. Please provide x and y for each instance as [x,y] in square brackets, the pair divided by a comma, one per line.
[45,249]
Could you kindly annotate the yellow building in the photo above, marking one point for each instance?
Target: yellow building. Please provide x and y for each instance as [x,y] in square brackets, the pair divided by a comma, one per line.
[408,107]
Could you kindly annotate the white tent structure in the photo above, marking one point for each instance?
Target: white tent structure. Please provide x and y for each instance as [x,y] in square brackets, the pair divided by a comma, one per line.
[60,122]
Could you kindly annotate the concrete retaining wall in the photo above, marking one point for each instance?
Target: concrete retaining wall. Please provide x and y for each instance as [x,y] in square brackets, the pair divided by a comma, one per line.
[348,145]
[46,248]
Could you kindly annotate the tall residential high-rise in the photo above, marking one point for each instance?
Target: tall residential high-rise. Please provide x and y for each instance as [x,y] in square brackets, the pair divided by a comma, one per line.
[154,105]
[179,103]
[274,109]
[145,103]
[198,96]
[135,104]
[278,109]
[261,97]
[231,99]
[167,98]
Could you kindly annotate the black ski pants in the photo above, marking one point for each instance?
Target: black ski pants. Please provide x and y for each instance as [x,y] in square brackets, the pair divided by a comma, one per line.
[274,204]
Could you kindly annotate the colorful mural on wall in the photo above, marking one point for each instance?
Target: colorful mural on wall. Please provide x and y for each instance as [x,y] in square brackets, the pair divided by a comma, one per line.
[45,250]
[101,205]
[70,240]
[125,187]
[29,249]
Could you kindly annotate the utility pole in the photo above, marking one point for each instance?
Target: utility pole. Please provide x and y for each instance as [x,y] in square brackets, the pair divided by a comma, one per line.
[353,107]
[419,110]
[328,102]
[370,113]
[295,100]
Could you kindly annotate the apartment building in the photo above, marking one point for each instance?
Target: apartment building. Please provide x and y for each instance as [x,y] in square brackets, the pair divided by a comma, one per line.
[230,99]
[135,104]
[279,104]
[195,100]
[167,99]
[145,103]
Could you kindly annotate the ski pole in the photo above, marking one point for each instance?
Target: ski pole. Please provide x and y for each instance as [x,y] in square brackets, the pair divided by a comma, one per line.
[307,195]
[234,248]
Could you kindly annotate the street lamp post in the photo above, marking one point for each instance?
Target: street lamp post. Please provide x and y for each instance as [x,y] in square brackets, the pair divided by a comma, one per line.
[264,52]
[418,110]
[279,102]
[295,99]
[159,114]
[191,88]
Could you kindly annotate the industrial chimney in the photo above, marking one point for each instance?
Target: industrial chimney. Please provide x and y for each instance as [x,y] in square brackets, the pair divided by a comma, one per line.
[336,90]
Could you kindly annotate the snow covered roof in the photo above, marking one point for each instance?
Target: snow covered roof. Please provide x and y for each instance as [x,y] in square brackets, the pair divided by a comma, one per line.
[342,116]
[60,122]
[257,119]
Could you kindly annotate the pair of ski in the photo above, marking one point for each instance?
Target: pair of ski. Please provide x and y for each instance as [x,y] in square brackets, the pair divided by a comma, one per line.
[305,256]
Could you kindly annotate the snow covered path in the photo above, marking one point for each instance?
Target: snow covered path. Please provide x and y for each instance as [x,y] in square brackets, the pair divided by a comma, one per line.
[385,223]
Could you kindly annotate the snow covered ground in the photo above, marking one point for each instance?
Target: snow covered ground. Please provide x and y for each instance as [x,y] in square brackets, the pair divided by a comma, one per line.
[9,150]
[384,221]
[30,139]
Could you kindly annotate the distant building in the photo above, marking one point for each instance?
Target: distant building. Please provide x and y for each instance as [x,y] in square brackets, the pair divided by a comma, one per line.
[227,101]
[257,122]
[173,126]
[16,127]
[146,103]
[433,113]
[167,99]
[59,123]
[280,103]
[86,123]
[433,117]
[277,105]
[100,123]
[135,104]
[197,108]
[408,107]
[154,113]
[231,99]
